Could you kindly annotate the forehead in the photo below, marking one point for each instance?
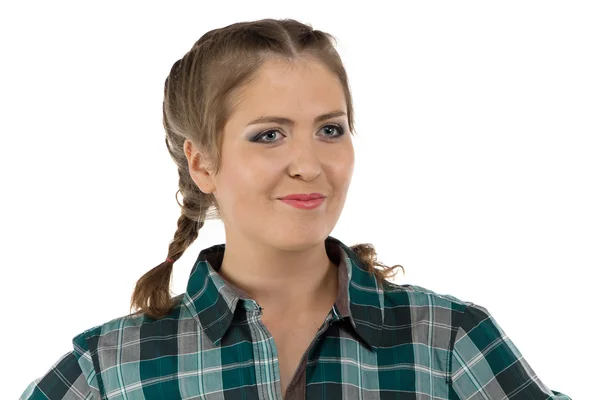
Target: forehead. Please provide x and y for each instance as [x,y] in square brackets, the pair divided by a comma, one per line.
[297,90]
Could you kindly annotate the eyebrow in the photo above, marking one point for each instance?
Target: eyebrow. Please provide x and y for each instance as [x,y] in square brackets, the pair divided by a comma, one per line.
[287,121]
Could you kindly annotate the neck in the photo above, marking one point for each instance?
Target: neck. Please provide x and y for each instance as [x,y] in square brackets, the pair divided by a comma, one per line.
[285,281]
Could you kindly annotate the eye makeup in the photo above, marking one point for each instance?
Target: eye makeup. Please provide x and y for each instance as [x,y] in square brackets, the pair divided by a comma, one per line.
[257,138]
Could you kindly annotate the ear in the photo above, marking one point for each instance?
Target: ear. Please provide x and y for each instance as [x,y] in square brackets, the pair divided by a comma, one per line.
[198,167]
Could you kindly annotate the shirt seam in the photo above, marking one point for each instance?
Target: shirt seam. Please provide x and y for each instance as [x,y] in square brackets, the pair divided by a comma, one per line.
[452,343]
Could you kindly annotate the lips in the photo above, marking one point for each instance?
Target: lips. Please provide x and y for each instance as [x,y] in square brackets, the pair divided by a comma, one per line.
[304,204]
[303,197]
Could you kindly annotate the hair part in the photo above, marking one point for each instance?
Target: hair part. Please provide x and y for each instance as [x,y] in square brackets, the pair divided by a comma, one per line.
[200,94]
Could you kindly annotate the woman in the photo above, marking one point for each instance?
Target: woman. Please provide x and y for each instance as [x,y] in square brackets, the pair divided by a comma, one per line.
[258,117]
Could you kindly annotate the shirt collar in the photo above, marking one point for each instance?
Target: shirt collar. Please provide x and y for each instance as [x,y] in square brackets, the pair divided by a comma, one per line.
[212,300]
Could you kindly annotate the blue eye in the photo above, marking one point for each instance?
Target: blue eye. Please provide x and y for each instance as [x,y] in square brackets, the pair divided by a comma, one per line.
[271,132]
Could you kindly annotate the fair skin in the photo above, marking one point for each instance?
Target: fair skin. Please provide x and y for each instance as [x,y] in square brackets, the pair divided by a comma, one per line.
[275,252]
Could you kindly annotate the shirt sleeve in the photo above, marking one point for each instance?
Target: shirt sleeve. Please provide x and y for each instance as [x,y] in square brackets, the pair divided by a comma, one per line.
[72,377]
[485,364]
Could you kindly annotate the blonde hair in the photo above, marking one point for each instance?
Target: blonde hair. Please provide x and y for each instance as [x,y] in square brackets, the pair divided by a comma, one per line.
[199,97]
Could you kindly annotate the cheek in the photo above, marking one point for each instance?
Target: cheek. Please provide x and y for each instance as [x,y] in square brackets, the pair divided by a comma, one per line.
[248,182]
[342,167]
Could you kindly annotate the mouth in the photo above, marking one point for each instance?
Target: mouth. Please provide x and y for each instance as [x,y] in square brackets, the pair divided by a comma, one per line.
[304,204]
[303,196]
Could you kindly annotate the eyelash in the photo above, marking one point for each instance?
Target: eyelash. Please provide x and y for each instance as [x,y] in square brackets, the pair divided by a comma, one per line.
[341,131]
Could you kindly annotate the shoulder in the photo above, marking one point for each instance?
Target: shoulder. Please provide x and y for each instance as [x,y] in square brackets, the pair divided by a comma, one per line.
[444,312]
[124,329]
[424,308]
[418,296]
[426,320]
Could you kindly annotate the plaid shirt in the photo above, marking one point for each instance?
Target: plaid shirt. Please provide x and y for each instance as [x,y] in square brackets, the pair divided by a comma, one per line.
[390,342]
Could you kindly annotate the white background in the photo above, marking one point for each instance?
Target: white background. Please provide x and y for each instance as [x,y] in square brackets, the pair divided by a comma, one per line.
[477,162]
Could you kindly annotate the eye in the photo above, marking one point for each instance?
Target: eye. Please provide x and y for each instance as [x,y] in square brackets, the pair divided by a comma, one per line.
[272,132]
[341,130]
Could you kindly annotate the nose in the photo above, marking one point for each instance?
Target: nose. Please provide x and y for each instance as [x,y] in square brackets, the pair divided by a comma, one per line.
[304,158]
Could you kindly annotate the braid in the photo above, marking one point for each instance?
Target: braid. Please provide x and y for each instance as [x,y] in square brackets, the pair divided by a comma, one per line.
[367,254]
[152,294]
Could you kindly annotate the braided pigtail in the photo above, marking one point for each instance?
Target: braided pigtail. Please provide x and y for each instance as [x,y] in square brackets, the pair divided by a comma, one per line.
[367,254]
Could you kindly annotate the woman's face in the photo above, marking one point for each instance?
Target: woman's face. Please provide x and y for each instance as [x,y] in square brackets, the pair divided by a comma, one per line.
[264,161]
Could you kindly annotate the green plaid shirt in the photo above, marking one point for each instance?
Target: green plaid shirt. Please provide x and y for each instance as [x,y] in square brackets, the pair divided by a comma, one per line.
[390,342]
